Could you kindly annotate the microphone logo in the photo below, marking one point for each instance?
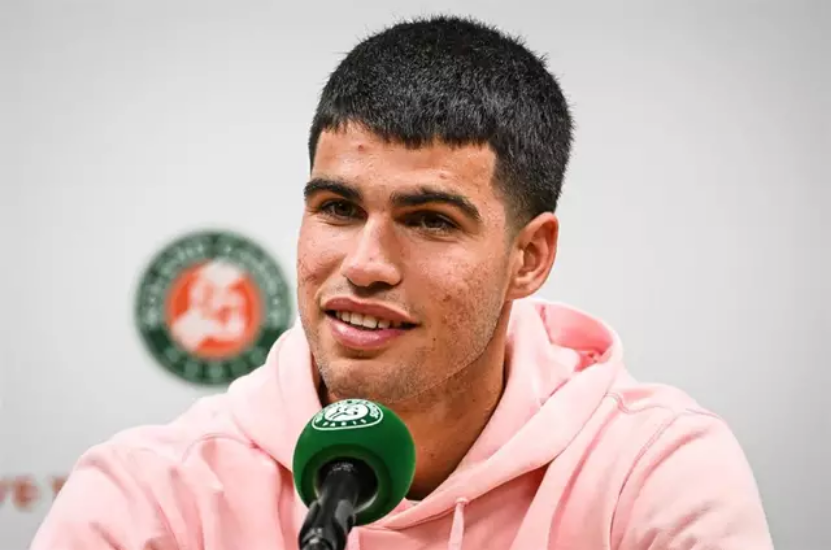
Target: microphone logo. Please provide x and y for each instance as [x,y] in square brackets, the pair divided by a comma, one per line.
[347,415]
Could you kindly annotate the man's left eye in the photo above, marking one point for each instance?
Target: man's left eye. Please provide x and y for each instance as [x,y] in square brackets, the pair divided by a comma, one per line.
[433,222]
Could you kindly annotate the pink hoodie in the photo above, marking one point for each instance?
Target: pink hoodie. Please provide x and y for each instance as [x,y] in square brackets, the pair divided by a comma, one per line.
[577,456]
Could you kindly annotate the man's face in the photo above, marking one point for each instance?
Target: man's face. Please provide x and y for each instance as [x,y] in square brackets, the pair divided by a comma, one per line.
[411,244]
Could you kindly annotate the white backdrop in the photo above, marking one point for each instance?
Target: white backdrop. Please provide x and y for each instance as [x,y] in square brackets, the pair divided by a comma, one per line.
[695,217]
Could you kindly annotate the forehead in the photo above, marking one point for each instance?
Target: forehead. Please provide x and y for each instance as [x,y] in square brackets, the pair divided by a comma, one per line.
[362,158]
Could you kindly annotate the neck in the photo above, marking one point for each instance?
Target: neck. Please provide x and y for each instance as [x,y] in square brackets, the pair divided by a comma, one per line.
[446,420]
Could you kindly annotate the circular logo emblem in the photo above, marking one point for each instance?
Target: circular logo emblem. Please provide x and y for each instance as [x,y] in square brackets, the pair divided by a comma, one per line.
[347,414]
[210,306]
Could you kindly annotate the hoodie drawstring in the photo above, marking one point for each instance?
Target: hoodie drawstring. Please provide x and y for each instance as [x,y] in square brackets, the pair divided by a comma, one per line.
[458,526]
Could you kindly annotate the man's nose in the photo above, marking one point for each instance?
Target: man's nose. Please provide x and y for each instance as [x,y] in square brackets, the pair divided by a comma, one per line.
[372,257]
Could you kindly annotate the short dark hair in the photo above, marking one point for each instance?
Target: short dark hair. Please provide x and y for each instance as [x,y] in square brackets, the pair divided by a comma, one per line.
[463,82]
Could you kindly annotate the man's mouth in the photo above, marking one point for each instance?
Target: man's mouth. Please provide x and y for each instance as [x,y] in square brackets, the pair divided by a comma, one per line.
[367,322]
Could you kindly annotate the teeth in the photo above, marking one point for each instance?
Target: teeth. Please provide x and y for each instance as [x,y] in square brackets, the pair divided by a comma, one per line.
[365,321]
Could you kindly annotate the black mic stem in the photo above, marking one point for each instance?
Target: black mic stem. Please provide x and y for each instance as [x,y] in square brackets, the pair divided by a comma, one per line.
[316,544]
[331,517]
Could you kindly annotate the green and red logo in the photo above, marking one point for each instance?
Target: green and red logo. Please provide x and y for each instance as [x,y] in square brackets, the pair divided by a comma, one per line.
[210,306]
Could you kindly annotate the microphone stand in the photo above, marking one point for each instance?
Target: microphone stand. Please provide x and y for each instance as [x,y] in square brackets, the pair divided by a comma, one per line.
[331,517]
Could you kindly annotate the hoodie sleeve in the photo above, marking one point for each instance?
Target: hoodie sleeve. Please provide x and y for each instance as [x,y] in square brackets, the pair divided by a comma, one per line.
[105,505]
[692,489]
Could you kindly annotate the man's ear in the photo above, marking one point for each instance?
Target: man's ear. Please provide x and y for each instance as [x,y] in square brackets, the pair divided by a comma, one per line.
[534,252]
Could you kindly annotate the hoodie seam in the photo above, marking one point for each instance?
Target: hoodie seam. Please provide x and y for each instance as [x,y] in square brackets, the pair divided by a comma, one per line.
[658,433]
[653,439]
[129,454]
[623,407]
[180,461]
[183,458]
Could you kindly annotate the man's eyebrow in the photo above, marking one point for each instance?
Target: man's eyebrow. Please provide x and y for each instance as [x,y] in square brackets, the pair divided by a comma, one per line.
[430,195]
[321,185]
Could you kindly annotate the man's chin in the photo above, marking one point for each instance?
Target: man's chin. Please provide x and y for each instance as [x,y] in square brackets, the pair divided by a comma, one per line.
[349,367]
[348,378]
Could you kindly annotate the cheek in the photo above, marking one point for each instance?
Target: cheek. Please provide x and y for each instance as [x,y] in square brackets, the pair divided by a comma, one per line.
[318,255]
[469,289]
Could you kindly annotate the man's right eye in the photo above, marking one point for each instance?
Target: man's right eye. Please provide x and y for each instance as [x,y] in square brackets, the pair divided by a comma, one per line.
[338,209]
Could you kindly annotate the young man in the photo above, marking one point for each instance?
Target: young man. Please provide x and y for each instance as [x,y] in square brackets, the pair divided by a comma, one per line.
[438,151]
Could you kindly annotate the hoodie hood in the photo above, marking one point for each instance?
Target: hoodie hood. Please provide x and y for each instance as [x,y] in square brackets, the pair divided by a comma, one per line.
[559,361]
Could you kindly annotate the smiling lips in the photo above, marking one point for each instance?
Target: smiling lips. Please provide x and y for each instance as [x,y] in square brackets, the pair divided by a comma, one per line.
[365,321]
[363,326]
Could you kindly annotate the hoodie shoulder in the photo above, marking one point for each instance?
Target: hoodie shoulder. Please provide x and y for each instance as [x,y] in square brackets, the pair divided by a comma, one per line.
[207,419]
[690,481]
[635,398]
[149,482]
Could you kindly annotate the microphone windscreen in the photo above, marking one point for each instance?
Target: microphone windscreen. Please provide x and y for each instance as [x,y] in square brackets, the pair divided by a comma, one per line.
[363,431]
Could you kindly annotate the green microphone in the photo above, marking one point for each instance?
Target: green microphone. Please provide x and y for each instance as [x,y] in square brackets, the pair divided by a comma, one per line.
[353,463]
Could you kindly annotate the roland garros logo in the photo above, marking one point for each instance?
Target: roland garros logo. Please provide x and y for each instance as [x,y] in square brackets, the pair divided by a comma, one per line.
[347,414]
[210,306]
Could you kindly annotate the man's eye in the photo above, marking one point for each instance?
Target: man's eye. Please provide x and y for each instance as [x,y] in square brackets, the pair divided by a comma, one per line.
[338,209]
[431,222]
